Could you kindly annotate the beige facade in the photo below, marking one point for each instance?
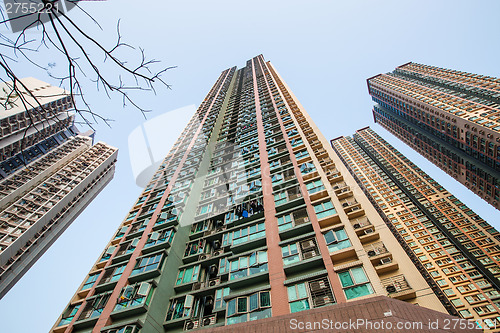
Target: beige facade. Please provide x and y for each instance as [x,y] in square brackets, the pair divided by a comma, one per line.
[458,250]
[450,117]
[39,202]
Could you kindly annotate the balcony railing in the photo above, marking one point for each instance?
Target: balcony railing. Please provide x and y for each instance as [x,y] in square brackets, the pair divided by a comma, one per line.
[395,284]
[376,249]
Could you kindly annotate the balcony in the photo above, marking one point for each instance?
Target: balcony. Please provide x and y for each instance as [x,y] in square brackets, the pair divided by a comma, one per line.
[377,251]
[159,240]
[167,219]
[294,224]
[353,209]
[386,265]
[133,300]
[367,234]
[333,175]
[326,163]
[398,287]
[360,224]
[308,170]
[307,257]
[288,199]
[321,152]
[342,190]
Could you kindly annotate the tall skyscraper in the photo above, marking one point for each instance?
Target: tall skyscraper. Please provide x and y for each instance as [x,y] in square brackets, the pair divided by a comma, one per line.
[456,248]
[250,217]
[48,174]
[450,117]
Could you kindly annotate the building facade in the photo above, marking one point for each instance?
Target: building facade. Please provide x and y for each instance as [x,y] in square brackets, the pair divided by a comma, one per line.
[457,248]
[450,117]
[48,174]
[250,216]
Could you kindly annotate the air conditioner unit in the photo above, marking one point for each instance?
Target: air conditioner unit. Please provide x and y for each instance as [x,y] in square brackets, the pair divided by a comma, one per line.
[372,253]
[355,208]
[210,320]
[191,325]
[345,204]
[197,286]
[309,255]
[217,253]
[390,289]
[214,282]
[321,300]
[385,261]
[357,226]
[307,244]
[204,256]
[317,285]
[368,231]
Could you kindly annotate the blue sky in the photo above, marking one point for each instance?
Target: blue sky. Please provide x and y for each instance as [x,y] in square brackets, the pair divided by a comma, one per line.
[324,50]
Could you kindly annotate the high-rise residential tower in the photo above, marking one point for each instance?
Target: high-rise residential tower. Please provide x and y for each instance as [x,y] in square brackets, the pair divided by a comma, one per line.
[450,117]
[456,248]
[250,217]
[48,174]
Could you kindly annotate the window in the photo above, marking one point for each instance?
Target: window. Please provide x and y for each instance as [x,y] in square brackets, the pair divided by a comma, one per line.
[158,237]
[276,178]
[147,264]
[206,209]
[274,164]
[121,232]
[485,309]
[112,274]
[337,240]
[244,235]
[355,283]
[290,254]
[294,219]
[223,266]
[94,306]
[108,253]
[195,247]
[248,308]
[310,294]
[90,281]
[69,314]
[187,275]
[324,209]
[255,185]
[296,142]
[219,297]
[307,167]
[298,297]
[248,265]
[280,198]
[124,329]
[133,295]
[465,314]
[285,222]
[132,215]
[315,186]
[301,154]
[180,307]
